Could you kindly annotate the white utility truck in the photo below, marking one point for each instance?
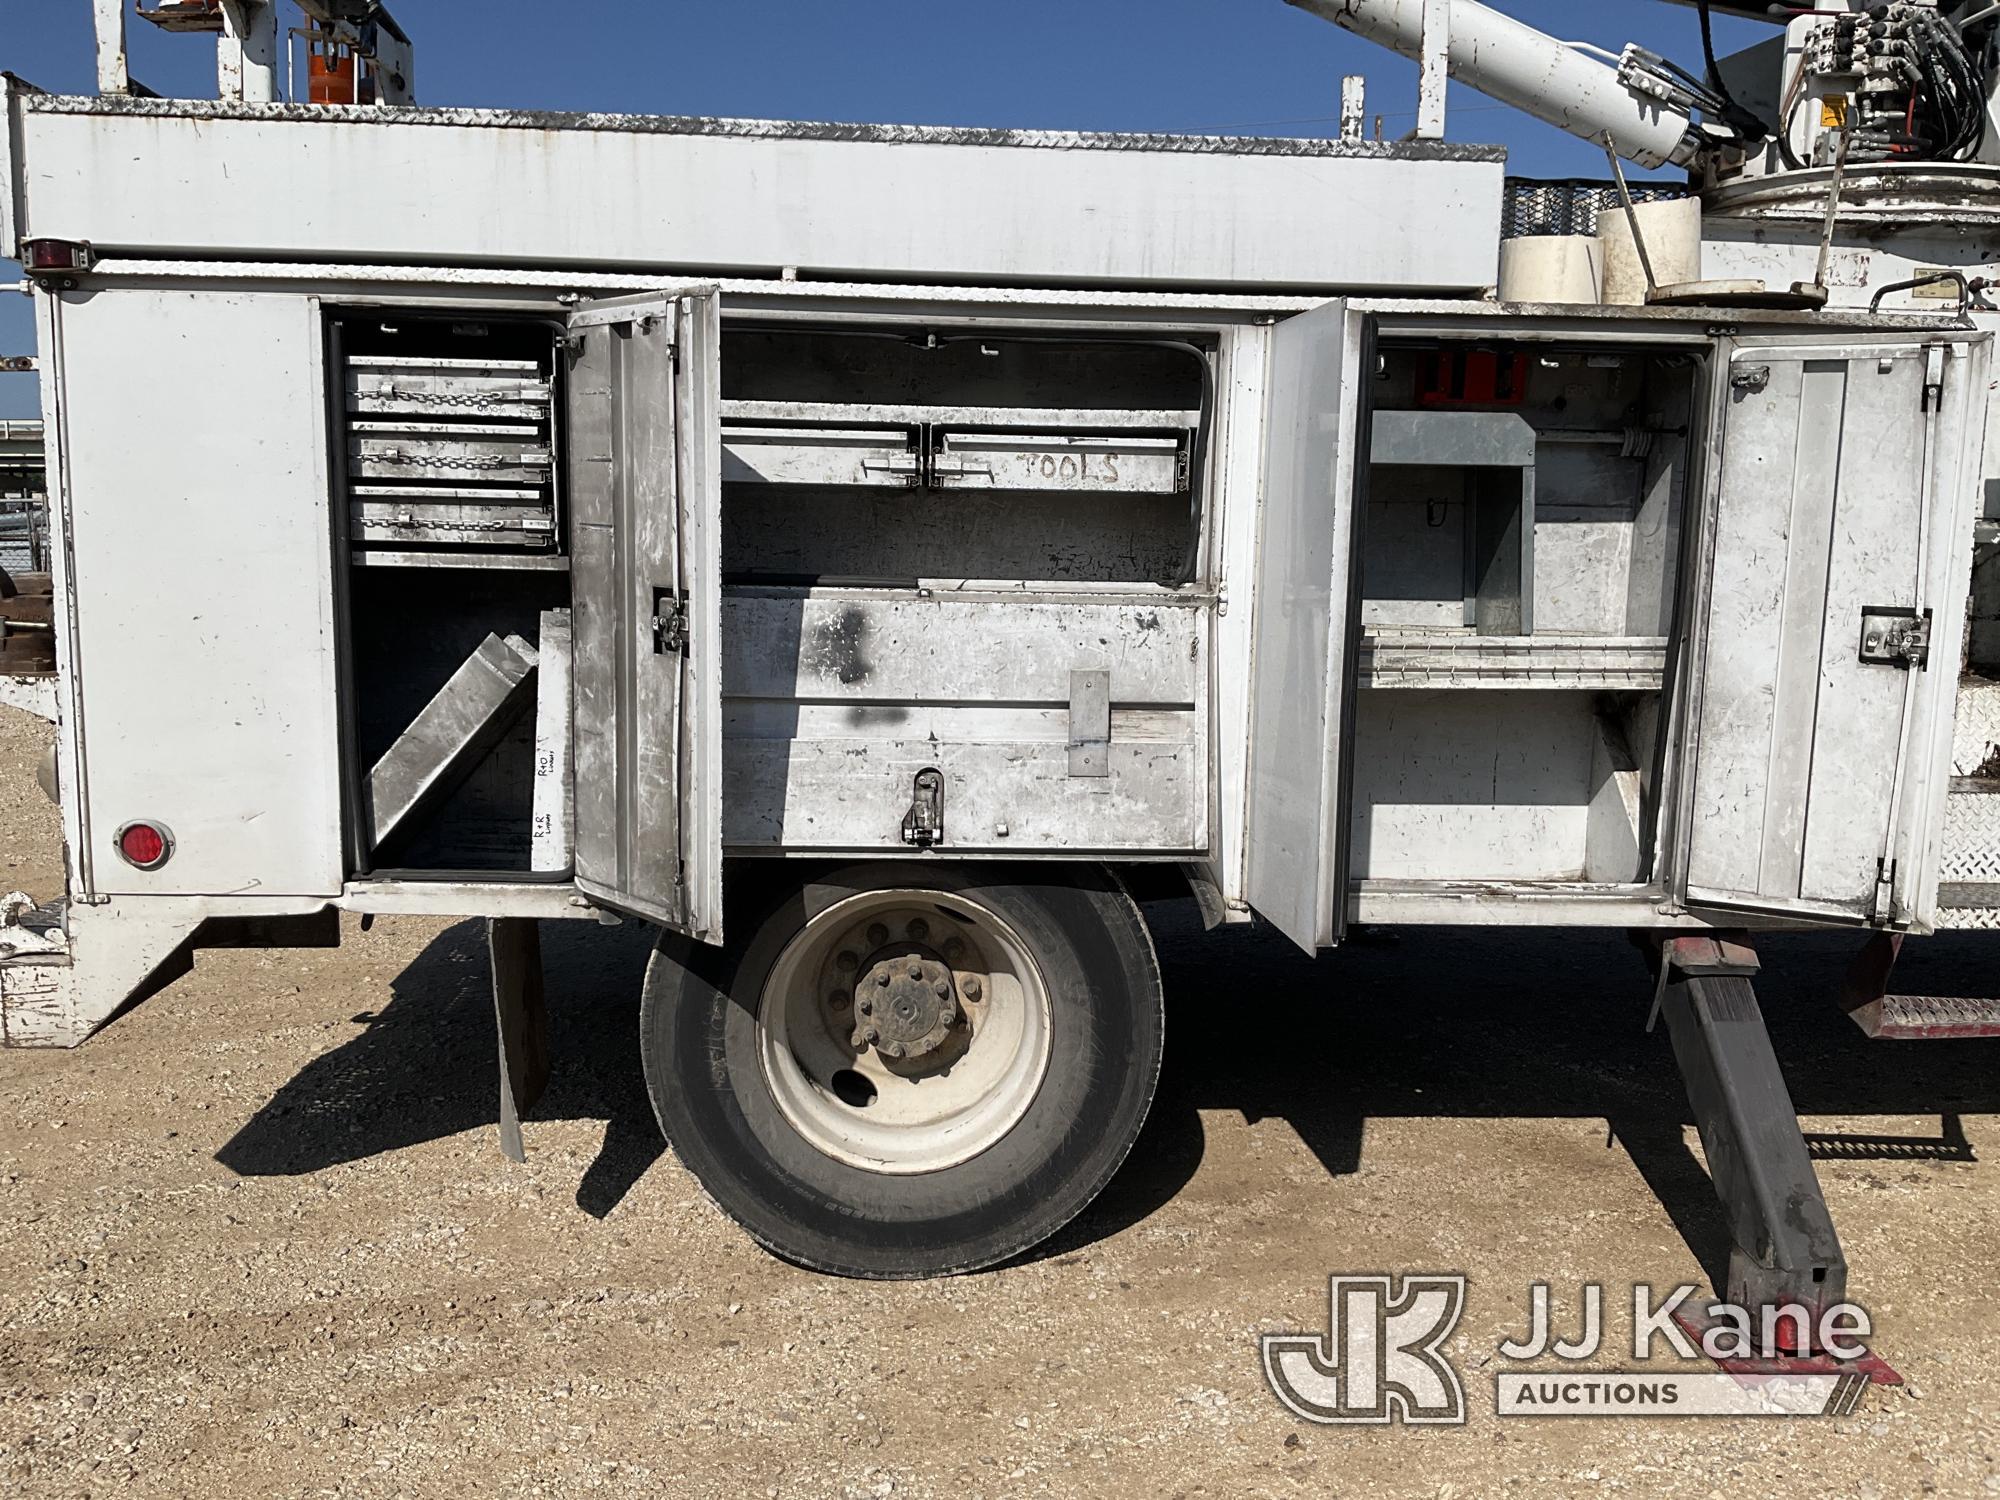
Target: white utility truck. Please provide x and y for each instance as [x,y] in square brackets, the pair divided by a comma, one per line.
[877,555]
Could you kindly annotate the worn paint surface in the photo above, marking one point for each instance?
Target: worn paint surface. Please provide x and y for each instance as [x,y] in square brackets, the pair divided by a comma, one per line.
[834,702]
[1001,795]
[208,704]
[195,178]
[1304,571]
[1840,486]
[816,130]
[645,487]
[1472,786]
[894,649]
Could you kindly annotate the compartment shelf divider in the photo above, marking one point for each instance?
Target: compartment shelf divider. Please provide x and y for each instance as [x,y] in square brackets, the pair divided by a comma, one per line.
[1416,659]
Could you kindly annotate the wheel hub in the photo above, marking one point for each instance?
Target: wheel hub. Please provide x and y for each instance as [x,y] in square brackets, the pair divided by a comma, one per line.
[901,1072]
[904,1004]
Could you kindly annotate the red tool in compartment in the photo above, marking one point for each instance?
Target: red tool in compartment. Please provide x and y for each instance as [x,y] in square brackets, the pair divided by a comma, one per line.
[1472,377]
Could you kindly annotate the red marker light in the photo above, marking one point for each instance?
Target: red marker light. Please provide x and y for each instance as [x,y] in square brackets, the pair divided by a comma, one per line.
[145,846]
[56,255]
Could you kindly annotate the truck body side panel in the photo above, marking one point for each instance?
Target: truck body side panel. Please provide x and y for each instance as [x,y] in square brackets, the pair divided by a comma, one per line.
[194,515]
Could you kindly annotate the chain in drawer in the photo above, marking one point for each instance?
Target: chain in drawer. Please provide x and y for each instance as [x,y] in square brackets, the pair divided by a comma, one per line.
[450,453]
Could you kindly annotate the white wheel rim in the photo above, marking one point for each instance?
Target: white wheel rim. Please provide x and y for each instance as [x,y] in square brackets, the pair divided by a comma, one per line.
[909,1114]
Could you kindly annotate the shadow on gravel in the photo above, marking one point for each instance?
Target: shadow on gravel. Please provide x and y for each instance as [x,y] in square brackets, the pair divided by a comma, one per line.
[1429,1023]
[424,1066]
[1496,1022]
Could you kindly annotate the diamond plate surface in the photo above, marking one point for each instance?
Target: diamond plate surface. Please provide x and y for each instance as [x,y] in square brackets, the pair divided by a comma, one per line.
[1971,849]
[1968,919]
[1930,1017]
[1975,725]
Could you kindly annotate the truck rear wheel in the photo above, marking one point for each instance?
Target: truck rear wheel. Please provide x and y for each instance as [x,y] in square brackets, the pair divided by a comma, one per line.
[902,1070]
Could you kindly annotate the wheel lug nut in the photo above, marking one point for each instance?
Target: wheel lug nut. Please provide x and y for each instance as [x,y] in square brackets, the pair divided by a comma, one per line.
[867,1007]
[916,971]
[942,989]
[838,999]
[882,978]
[847,961]
[918,930]
[892,1049]
[972,988]
[877,934]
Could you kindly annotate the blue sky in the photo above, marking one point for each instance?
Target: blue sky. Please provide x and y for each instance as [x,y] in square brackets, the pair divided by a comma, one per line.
[1237,66]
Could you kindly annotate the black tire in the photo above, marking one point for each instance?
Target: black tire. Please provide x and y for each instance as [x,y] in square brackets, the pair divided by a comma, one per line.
[1106,1022]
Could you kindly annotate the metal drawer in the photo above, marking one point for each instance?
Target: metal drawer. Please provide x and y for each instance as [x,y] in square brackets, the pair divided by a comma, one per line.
[445,455]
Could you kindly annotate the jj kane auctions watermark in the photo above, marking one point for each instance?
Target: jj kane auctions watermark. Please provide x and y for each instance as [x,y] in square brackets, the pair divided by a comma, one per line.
[1382,1357]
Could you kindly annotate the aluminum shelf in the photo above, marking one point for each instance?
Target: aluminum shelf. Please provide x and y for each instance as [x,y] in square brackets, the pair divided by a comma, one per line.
[1417,659]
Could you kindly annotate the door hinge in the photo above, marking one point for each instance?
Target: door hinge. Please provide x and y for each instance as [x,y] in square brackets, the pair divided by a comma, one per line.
[1894,637]
[1933,378]
[670,623]
[1883,908]
[923,824]
[646,323]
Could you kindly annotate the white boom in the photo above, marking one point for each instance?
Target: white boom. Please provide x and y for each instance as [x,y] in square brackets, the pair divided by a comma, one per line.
[1530,70]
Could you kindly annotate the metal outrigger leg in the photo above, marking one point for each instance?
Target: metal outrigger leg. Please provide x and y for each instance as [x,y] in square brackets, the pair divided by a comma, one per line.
[1784,1252]
[520,1006]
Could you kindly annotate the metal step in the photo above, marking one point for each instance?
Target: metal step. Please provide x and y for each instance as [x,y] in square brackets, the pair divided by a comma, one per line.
[1927,1018]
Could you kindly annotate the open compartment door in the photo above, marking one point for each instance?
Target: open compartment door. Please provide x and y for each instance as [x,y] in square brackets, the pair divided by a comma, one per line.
[1302,695]
[1830,596]
[643,396]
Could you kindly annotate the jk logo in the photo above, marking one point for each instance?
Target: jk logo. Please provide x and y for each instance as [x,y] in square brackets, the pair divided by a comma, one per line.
[1380,1359]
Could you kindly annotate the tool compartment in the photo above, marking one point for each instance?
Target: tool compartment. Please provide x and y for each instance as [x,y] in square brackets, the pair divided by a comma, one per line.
[446,460]
[1524,508]
[974,552]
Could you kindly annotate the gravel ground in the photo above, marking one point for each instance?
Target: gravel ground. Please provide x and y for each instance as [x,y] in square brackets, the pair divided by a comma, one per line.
[255,1239]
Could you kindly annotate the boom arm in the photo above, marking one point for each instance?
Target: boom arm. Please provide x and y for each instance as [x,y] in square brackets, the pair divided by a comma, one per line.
[1532,71]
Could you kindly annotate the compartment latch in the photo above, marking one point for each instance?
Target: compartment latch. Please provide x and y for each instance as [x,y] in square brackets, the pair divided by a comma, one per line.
[1895,637]
[923,824]
[670,623]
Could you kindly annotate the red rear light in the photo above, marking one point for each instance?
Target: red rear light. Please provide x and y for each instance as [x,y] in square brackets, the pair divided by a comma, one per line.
[145,845]
[56,255]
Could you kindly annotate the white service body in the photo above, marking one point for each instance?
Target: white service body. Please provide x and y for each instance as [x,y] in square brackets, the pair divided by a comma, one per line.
[1584,654]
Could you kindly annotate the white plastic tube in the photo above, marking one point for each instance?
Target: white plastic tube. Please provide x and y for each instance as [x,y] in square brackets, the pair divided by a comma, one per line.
[1531,70]
[1551,268]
